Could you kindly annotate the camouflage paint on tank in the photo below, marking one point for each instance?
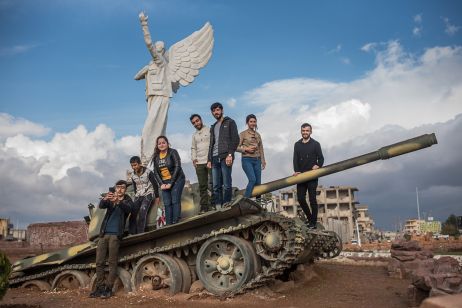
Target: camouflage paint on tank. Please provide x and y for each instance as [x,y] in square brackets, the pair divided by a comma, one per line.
[57,257]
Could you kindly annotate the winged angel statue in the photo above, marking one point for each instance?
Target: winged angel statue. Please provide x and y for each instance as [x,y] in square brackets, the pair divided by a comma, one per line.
[165,73]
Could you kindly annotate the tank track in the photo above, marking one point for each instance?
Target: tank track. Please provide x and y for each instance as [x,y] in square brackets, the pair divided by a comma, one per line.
[295,243]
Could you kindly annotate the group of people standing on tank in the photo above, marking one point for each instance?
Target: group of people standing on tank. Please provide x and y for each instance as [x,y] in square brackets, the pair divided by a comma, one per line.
[212,153]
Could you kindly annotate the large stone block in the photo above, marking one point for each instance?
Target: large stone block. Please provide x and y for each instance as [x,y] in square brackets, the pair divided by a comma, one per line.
[57,234]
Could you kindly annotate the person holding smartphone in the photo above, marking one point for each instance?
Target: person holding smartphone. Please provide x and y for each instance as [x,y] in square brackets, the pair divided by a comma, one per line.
[117,205]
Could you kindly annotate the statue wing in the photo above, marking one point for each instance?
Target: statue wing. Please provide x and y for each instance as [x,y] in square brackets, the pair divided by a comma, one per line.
[189,55]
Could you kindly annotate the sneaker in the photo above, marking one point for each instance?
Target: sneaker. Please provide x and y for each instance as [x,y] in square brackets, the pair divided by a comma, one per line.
[97,292]
[106,293]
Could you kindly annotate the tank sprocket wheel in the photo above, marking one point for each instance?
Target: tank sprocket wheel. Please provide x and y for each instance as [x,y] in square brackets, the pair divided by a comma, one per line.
[158,271]
[39,285]
[224,264]
[334,246]
[186,275]
[70,280]
[269,241]
[121,284]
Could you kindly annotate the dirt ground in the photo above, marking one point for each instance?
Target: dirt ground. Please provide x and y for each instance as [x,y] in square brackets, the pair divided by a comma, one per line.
[329,285]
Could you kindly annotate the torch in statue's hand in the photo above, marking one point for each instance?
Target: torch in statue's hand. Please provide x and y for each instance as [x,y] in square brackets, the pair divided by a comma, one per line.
[143,19]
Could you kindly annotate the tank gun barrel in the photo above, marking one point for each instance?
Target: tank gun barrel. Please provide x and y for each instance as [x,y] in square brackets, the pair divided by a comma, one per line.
[386,152]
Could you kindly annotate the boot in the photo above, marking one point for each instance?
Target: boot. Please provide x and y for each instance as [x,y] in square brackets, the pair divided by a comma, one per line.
[97,292]
[107,292]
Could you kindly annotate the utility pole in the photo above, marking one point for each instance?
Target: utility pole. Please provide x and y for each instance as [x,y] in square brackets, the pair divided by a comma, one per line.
[418,205]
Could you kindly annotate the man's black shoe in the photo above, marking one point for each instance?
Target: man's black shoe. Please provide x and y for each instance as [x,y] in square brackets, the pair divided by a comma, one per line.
[97,292]
[106,293]
[312,227]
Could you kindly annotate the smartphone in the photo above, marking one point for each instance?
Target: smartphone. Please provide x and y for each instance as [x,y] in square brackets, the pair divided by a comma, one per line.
[112,189]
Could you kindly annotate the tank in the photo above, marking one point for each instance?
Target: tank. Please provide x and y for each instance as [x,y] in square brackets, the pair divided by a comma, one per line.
[230,250]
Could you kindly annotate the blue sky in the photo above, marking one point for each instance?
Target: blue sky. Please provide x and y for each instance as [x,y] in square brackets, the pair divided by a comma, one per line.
[70,63]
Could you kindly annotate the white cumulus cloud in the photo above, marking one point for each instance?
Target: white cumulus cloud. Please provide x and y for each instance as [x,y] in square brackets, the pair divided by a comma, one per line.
[11,126]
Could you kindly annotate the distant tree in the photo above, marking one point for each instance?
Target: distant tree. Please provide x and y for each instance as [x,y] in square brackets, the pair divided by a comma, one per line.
[450,226]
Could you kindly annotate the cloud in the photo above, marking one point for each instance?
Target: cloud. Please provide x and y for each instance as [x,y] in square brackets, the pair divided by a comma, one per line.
[17,49]
[77,148]
[337,49]
[345,60]
[369,47]
[405,94]
[231,102]
[417,30]
[11,126]
[450,29]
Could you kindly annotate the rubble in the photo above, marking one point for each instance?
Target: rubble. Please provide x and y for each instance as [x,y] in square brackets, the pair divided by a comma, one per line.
[429,277]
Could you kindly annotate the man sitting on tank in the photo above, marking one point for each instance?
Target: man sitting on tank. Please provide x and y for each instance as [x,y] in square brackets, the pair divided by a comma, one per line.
[146,190]
[117,205]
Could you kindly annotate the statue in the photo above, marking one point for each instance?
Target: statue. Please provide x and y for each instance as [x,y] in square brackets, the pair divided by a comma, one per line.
[165,73]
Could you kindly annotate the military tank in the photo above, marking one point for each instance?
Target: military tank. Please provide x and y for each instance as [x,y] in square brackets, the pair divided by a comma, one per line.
[230,250]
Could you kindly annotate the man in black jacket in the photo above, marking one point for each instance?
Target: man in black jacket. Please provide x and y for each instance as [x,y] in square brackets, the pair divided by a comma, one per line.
[224,140]
[117,205]
[308,156]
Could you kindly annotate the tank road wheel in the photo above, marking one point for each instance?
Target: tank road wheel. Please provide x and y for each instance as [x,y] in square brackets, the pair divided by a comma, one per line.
[121,284]
[224,264]
[69,280]
[186,274]
[156,272]
[269,240]
[39,285]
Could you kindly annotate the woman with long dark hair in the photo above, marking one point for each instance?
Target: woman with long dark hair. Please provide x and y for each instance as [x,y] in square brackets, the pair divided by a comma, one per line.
[170,178]
[253,156]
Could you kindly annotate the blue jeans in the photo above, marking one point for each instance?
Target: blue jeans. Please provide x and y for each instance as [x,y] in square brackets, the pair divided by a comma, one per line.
[172,202]
[222,183]
[252,169]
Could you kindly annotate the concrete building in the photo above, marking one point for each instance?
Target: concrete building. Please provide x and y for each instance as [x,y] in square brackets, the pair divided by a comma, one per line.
[432,226]
[412,226]
[4,227]
[416,226]
[18,234]
[365,222]
[337,206]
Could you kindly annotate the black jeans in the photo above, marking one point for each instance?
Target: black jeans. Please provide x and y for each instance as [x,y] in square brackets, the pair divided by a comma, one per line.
[139,213]
[302,188]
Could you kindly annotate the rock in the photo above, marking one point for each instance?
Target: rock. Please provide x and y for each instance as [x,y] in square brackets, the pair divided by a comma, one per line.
[406,245]
[447,265]
[196,287]
[415,296]
[453,301]
[394,268]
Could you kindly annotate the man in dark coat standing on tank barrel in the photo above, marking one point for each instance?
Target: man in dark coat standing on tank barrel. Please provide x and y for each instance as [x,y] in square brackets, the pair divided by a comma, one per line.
[308,156]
